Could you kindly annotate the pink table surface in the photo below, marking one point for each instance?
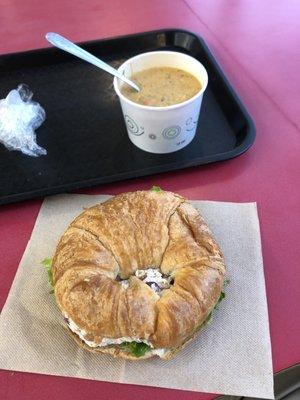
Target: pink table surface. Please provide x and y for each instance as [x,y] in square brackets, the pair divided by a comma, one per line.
[256,42]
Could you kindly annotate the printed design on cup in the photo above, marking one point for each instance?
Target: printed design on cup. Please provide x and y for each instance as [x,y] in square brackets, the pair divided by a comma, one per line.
[181,142]
[133,127]
[152,136]
[171,132]
[190,124]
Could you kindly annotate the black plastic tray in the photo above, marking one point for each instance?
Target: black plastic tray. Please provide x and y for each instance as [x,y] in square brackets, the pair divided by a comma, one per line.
[84,132]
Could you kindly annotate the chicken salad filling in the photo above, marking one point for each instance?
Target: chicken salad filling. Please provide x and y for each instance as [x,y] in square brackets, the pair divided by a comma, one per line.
[153,278]
[136,346]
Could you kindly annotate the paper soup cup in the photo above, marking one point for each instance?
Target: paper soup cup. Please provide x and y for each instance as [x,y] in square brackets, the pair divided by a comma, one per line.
[162,129]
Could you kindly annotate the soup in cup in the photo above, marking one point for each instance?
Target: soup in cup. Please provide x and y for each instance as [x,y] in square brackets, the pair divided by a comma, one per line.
[163,116]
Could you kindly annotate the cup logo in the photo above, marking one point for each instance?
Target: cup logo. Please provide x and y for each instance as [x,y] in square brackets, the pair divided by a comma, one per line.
[132,126]
[172,132]
[190,124]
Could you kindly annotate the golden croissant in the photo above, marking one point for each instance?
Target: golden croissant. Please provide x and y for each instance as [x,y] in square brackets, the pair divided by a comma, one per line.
[137,275]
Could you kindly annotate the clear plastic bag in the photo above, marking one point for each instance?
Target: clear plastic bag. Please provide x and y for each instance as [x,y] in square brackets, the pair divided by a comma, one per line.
[19,118]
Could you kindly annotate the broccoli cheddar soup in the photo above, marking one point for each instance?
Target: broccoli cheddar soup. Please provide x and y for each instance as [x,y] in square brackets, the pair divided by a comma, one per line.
[162,86]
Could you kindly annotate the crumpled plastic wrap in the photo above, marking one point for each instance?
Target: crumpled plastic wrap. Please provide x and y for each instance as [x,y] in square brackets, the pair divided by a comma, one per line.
[19,118]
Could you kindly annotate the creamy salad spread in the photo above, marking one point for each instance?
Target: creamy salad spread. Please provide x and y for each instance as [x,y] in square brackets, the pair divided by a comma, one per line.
[153,278]
[107,341]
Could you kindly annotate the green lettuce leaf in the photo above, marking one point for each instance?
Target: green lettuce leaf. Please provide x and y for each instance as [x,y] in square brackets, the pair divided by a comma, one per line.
[156,189]
[216,307]
[135,348]
[226,282]
[222,296]
[208,318]
[47,263]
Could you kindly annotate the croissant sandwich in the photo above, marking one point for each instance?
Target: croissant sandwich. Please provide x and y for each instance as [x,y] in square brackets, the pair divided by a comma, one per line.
[138,275]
